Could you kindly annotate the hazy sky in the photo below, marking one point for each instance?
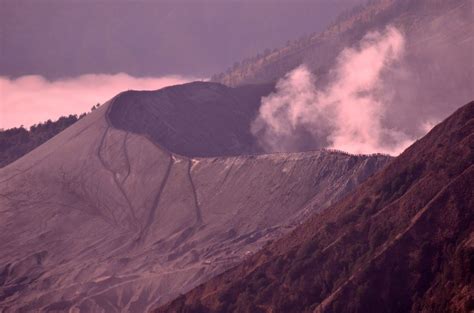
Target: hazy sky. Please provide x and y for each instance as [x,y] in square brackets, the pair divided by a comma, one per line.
[31,99]
[62,56]
[66,38]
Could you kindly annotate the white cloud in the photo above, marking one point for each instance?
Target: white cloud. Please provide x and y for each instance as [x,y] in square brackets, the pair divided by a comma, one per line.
[30,99]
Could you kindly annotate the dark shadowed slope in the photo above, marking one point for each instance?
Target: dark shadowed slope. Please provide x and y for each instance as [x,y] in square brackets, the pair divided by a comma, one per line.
[195,119]
[402,242]
[102,219]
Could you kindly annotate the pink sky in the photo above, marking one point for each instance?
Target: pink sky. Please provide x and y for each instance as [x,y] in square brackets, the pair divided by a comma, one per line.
[30,99]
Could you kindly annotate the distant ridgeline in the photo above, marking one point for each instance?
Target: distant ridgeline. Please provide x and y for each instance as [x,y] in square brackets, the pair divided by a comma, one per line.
[319,50]
[18,141]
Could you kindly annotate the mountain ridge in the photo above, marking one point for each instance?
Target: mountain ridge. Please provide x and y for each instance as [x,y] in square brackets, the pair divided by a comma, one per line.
[350,29]
[388,246]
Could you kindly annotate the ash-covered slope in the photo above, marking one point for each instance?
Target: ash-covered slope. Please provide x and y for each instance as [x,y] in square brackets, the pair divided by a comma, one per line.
[402,242]
[102,219]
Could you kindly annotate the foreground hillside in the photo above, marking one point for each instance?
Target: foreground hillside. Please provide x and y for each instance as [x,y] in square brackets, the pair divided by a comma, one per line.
[402,242]
[111,215]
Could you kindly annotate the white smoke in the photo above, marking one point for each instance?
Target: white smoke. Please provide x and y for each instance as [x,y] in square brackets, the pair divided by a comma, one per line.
[31,99]
[345,115]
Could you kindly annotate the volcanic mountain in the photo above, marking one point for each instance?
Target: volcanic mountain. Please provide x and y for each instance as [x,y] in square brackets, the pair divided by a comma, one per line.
[403,241]
[150,195]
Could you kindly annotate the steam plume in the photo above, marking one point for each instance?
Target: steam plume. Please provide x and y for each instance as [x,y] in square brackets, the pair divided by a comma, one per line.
[347,114]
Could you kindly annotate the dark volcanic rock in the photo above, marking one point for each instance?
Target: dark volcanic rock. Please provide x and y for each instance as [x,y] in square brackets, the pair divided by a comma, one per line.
[114,215]
[196,119]
[402,242]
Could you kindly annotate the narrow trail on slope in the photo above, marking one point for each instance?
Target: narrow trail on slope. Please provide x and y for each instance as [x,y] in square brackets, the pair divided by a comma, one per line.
[144,230]
[118,184]
[182,235]
[196,201]
[156,201]
[127,159]
[102,139]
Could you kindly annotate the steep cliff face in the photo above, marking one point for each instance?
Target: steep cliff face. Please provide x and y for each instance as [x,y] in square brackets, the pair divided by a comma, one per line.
[114,215]
[402,242]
